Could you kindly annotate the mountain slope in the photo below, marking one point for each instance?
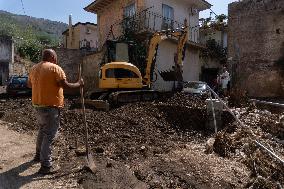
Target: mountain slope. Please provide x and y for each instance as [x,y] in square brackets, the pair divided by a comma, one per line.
[37,26]
[31,34]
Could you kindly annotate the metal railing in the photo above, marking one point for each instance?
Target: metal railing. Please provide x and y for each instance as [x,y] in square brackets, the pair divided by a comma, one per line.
[149,22]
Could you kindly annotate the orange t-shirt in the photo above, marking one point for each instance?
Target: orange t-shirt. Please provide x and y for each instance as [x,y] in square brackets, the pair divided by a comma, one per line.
[46,91]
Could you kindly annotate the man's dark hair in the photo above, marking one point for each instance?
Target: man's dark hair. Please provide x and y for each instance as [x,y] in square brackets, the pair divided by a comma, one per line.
[49,55]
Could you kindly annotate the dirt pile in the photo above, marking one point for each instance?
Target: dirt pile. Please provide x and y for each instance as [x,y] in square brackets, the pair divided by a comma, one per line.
[163,144]
[239,144]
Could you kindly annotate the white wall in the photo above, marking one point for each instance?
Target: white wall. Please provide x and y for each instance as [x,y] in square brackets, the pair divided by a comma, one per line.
[6,58]
[167,49]
[5,52]
[225,39]
[182,10]
[165,62]
[191,65]
[221,37]
[214,34]
[92,37]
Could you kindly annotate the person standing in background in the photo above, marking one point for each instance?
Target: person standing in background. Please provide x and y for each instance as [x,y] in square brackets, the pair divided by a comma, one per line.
[225,80]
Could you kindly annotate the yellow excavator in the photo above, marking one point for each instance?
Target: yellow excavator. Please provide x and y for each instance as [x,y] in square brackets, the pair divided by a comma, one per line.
[123,82]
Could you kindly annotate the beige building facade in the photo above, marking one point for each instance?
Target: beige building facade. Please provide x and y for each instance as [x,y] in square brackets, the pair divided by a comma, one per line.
[147,17]
[80,36]
[211,65]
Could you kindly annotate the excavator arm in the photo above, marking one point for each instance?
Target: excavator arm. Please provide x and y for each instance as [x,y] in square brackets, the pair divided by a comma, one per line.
[152,50]
[157,38]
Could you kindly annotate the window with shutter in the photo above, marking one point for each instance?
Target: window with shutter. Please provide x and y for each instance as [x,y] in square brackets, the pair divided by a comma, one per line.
[130,10]
[168,17]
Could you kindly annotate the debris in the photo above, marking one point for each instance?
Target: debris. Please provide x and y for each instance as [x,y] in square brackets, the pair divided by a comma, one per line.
[270,152]
[209,145]
[143,135]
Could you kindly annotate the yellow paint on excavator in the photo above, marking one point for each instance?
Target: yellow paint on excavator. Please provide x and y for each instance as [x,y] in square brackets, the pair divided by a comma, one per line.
[117,75]
[123,75]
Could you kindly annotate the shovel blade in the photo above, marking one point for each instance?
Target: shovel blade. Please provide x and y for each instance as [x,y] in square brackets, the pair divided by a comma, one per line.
[90,162]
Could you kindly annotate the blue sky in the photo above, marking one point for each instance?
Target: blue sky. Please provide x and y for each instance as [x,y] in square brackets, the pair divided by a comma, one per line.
[219,7]
[58,10]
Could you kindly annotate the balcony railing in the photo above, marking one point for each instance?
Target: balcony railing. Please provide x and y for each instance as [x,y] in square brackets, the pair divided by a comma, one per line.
[147,22]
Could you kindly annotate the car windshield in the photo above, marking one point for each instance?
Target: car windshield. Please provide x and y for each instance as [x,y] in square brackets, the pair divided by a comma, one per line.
[19,80]
[195,85]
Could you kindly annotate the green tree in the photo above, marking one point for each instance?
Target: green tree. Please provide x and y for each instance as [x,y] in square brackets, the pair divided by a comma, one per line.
[29,39]
[221,18]
[214,51]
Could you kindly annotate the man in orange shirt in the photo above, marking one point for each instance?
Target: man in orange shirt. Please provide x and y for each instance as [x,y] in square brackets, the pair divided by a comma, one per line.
[47,81]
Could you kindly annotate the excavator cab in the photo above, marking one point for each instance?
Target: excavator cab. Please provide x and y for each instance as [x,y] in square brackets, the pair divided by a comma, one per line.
[119,73]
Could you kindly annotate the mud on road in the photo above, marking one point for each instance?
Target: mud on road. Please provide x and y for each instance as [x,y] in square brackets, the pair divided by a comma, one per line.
[162,144]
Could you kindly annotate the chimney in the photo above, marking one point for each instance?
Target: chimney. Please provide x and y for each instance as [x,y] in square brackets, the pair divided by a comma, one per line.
[70,31]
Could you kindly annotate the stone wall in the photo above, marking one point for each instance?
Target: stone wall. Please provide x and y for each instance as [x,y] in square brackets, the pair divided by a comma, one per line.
[91,68]
[20,66]
[255,40]
[69,60]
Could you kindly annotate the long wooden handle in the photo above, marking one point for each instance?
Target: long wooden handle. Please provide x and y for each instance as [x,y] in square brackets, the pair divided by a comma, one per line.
[84,111]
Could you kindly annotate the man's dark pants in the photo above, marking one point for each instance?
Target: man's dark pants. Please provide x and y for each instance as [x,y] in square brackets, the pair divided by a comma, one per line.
[48,121]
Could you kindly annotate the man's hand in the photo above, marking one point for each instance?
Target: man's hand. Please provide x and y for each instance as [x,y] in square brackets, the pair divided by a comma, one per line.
[81,82]
[65,84]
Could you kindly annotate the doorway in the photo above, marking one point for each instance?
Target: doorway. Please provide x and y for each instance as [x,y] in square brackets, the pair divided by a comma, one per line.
[209,75]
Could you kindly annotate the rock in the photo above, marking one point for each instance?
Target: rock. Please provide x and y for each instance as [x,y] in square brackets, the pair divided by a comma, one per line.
[209,145]
[2,114]
[281,120]
[99,150]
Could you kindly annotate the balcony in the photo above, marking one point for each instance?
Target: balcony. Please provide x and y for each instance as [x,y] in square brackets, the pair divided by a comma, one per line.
[146,22]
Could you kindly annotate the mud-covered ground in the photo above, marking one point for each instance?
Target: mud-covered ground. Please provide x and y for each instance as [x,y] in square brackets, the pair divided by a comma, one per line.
[163,144]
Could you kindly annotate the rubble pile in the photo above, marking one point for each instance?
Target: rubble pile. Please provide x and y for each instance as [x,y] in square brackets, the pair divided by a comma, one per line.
[239,143]
[163,143]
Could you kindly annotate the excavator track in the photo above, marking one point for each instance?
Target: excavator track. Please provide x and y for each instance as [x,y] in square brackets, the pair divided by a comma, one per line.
[124,97]
[106,100]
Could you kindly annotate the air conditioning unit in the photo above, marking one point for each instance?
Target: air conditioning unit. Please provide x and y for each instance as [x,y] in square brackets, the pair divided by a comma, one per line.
[88,31]
[193,11]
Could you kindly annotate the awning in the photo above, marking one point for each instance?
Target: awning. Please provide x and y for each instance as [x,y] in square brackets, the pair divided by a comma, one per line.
[97,5]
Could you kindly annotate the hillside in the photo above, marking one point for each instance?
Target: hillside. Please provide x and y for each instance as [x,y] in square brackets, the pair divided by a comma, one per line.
[31,34]
[39,25]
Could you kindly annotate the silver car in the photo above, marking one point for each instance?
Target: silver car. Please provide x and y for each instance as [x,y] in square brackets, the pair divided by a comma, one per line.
[195,87]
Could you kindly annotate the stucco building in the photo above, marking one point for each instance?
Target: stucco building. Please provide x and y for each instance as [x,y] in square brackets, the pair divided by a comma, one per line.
[212,64]
[146,17]
[6,57]
[218,33]
[81,35]
[256,44]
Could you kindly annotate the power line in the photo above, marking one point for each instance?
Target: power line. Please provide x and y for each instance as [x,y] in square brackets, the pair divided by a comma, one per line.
[209,7]
[23,7]
[213,12]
